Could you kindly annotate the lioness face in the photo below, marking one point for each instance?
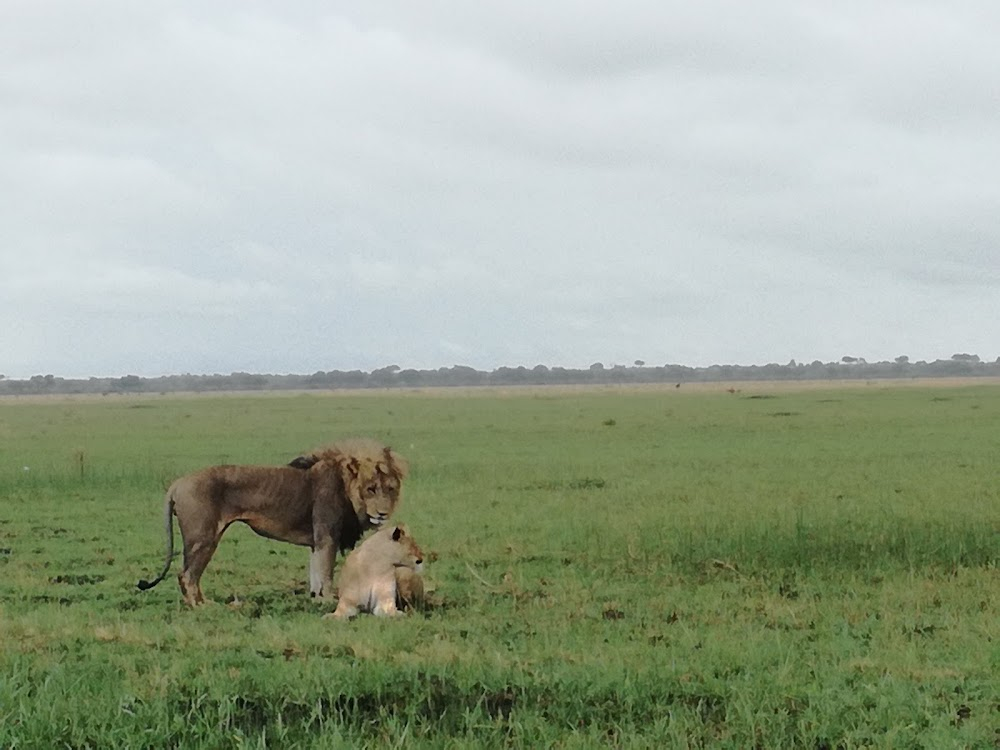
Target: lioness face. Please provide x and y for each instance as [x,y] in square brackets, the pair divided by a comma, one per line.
[409,553]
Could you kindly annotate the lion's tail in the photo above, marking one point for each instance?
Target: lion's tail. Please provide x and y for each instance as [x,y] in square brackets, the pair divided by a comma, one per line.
[168,522]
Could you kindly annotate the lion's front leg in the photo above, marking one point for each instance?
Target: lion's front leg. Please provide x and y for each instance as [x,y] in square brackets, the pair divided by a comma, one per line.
[344,611]
[384,597]
[321,570]
[315,578]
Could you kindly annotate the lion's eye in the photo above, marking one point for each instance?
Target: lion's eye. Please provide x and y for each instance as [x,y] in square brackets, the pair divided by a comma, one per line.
[372,489]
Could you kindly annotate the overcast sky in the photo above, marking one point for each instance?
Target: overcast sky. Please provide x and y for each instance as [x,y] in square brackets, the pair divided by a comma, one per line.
[243,186]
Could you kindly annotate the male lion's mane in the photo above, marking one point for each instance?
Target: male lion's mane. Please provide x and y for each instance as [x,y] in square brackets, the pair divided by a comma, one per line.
[364,457]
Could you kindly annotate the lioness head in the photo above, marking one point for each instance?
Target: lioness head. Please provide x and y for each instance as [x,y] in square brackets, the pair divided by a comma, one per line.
[373,476]
[405,551]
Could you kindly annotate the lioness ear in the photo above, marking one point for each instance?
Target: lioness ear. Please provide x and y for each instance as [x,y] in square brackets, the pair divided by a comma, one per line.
[302,462]
[397,533]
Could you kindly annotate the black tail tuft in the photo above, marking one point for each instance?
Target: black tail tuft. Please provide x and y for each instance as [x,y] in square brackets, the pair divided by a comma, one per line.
[143,585]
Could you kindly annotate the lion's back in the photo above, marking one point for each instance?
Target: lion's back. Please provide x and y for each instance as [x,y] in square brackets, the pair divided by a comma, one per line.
[243,487]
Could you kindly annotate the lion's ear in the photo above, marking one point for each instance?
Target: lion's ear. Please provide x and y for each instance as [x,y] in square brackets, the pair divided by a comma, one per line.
[396,463]
[398,533]
[303,462]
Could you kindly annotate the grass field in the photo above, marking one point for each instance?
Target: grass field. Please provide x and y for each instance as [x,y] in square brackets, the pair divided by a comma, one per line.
[771,568]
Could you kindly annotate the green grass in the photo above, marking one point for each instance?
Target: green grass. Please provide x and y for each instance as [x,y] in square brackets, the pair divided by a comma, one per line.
[650,568]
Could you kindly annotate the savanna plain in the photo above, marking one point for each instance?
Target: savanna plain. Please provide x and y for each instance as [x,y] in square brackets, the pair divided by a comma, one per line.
[766,567]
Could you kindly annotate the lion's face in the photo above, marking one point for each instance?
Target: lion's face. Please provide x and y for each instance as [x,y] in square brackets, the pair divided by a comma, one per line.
[372,474]
[373,487]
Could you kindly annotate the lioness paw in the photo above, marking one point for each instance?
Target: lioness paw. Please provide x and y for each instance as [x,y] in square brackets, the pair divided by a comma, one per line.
[386,610]
[341,613]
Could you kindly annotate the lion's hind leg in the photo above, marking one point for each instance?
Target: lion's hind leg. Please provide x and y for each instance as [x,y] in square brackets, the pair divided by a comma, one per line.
[409,589]
[196,559]
[198,550]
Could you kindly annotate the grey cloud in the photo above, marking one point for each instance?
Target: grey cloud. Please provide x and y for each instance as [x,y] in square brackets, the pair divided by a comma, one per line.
[339,187]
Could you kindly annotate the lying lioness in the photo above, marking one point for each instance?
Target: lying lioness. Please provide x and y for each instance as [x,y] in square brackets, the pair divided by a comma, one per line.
[382,576]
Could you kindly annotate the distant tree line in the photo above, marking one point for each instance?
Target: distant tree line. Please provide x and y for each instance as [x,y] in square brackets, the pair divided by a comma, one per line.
[848,368]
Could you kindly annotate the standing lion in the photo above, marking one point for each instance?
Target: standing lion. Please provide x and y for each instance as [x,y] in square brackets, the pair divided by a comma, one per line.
[324,500]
